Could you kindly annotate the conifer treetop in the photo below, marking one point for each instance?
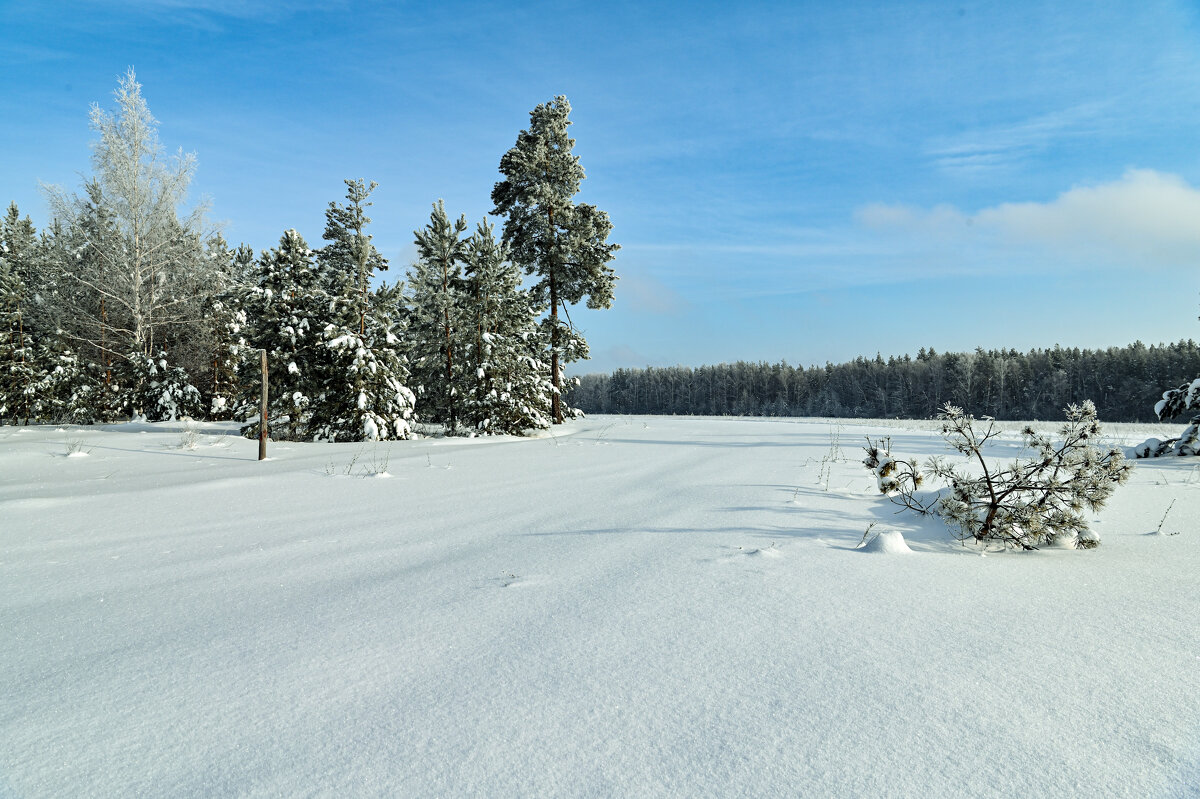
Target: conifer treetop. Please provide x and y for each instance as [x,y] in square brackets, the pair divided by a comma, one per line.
[550,235]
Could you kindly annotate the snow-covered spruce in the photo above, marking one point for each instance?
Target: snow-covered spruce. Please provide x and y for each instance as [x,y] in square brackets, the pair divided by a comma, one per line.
[1026,504]
[335,370]
[160,391]
[437,325]
[226,324]
[42,378]
[19,367]
[511,390]
[285,305]
[360,375]
[364,397]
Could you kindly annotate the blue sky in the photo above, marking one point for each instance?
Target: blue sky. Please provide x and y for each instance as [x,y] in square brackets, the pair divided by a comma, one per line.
[799,181]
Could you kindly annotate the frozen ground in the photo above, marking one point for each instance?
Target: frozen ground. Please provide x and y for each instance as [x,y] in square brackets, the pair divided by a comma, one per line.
[636,607]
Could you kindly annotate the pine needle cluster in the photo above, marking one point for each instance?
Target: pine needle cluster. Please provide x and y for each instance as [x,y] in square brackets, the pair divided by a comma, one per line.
[1174,403]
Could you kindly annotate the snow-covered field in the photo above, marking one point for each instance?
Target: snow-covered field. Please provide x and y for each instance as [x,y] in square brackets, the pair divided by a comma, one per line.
[633,607]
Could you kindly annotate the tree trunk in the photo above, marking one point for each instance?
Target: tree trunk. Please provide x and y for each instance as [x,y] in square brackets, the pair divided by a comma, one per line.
[556,396]
[362,285]
[451,416]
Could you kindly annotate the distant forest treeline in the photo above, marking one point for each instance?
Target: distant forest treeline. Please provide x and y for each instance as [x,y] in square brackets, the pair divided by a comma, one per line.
[1123,382]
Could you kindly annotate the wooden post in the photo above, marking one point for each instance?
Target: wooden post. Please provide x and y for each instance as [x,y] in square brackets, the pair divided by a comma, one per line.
[262,417]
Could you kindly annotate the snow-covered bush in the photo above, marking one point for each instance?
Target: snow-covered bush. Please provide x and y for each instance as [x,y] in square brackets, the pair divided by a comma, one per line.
[363,398]
[160,391]
[1027,503]
[1175,403]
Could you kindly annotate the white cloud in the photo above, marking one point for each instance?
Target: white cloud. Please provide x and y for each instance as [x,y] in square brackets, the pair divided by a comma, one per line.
[1146,218]
[942,220]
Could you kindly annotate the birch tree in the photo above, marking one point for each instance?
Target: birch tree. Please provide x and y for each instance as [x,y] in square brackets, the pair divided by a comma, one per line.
[134,283]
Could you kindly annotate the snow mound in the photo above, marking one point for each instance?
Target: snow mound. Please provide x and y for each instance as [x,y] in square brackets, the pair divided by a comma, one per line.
[890,542]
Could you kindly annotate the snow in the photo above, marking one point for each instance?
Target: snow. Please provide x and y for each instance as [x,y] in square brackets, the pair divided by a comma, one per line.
[889,542]
[615,607]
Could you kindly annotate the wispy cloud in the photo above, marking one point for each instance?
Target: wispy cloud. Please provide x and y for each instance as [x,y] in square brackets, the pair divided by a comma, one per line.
[1004,146]
[195,10]
[21,52]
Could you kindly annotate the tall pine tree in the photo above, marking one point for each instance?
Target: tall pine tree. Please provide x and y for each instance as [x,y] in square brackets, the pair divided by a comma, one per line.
[435,325]
[565,244]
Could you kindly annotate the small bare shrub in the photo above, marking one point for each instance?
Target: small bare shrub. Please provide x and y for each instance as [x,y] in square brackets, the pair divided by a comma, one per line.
[189,436]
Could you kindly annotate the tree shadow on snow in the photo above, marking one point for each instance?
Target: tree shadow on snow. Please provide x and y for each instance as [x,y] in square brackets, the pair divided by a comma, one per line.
[199,452]
[765,444]
[844,527]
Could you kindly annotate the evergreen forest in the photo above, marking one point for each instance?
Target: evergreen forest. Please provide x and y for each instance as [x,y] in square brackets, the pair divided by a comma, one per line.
[1123,382]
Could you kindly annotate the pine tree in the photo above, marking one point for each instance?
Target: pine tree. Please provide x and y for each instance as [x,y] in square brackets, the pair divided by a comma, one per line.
[562,242]
[64,390]
[512,391]
[349,261]
[1032,501]
[19,370]
[435,329]
[225,325]
[359,367]
[285,307]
